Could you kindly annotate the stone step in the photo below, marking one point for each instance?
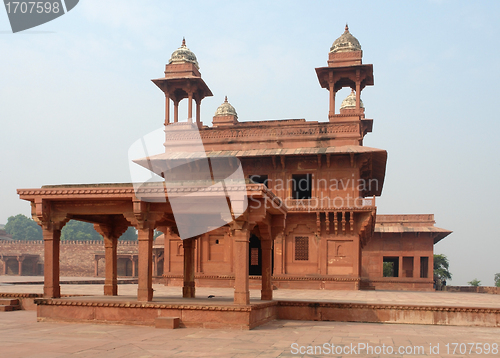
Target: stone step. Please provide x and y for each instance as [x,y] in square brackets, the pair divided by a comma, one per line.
[9,301]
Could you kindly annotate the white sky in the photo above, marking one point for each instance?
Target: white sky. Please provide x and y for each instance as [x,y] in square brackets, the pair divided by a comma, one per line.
[75,93]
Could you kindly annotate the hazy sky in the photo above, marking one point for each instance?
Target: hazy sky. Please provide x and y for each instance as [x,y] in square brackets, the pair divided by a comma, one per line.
[75,93]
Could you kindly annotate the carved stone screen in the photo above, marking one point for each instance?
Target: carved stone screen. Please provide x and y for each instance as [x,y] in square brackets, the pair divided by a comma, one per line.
[302,248]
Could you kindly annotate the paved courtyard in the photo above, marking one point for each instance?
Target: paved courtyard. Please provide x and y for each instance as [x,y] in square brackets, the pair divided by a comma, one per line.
[22,336]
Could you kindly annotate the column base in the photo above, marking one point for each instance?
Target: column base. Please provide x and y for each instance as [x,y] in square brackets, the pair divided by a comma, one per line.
[242,298]
[110,290]
[145,294]
[52,292]
[188,292]
[266,295]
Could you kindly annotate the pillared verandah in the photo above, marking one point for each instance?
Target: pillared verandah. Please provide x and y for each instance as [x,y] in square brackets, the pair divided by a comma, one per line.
[304,228]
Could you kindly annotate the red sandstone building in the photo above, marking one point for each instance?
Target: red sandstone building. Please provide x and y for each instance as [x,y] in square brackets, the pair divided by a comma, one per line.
[311,185]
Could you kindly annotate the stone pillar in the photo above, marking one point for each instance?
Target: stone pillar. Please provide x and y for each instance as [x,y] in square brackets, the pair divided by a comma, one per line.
[96,266]
[190,107]
[167,109]
[51,239]
[176,111]
[133,266]
[332,100]
[266,292]
[358,94]
[110,254]
[145,281]
[241,252]
[278,255]
[400,269]
[4,268]
[198,114]
[20,260]
[188,290]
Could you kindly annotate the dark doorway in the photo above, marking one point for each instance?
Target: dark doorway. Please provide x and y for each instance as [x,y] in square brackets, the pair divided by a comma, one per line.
[255,257]
[302,186]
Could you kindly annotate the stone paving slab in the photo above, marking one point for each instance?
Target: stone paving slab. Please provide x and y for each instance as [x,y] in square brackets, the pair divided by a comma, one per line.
[22,336]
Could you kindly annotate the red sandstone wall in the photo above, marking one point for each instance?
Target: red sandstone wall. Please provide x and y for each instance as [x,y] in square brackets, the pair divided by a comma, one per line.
[76,257]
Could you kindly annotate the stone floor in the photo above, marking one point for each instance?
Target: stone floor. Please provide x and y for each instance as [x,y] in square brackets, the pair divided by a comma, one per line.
[22,336]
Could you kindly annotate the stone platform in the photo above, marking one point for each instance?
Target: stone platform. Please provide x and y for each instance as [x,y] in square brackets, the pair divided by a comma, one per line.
[193,312]
[222,314]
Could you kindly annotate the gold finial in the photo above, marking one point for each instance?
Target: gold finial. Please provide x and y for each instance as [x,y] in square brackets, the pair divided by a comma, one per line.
[346,27]
[225,100]
[183,42]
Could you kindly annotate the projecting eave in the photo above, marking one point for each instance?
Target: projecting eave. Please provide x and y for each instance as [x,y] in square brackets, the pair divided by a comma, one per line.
[372,160]
[437,232]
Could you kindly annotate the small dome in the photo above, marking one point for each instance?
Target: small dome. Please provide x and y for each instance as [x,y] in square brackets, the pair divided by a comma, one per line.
[225,109]
[345,43]
[183,54]
[350,102]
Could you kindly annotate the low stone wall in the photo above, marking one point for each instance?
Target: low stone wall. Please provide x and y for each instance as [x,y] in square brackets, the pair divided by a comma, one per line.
[76,257]
[479,289]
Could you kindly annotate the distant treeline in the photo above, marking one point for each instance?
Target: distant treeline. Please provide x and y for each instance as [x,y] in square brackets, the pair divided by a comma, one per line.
[24,228]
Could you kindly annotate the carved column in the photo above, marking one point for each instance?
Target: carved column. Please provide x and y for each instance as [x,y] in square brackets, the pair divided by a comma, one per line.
[145,281]
[20,260]
[332,100]
[110,254]
[167,109]
[51,239]
[176,111]
[96,266]
[198,114]
[278,255]
[266,292]
[132,259]
[4,268]
[190,107]
[358,91]
[188,290]
[241,252]
[111,231]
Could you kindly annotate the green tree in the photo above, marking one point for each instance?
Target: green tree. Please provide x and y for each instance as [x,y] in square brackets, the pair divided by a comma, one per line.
[475,282]
[23,228]
[441,267]
[129,235]
[388,269]
[497,279]
[79,231]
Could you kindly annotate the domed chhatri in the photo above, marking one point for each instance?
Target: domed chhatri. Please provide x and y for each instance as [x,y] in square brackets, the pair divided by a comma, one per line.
[346,42]
[183,54]
[350,102]
[225,109]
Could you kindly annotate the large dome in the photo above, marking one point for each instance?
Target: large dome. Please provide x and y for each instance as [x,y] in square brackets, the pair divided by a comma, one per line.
[225,109]
[183,54]
[345,43]
[350,102]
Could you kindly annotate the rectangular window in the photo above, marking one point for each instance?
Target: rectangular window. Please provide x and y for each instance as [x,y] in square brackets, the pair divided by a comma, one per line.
[259,179]
[391,266]
[301,186]
[302,248]
[408,266]
[424,267]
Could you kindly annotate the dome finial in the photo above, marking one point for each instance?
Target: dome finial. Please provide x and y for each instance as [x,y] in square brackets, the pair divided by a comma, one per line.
[225,100]
[183,54]
[346,42]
